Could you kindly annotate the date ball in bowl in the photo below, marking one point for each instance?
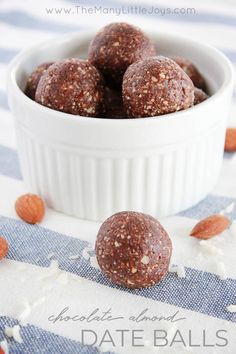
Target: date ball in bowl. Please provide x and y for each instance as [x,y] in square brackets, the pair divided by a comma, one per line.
[117,46]
[199,96]
[156,86]
[33,79]
[191,70]
[72,86]
[133,249]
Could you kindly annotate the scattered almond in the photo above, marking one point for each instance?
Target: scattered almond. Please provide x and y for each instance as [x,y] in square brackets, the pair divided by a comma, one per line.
[30,208]
[211,226]
[230,140]
[3,248]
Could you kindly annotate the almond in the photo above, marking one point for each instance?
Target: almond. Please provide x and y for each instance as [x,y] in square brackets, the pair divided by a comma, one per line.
[3,248]
[30,208]
[211,226]
[230,140]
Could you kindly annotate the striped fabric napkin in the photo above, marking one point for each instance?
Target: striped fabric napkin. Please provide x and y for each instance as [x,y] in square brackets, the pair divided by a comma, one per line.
[53,297]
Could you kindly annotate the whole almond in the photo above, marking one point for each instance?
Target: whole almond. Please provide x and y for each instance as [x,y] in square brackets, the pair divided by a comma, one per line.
[211,226]
[3,248]
[230,140]
[30,208]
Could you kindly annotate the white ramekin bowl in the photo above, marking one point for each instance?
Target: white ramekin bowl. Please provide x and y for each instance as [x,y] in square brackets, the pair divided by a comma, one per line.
[91,168]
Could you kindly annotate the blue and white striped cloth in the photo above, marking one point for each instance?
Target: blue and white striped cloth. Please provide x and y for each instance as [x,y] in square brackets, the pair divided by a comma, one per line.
[33,288]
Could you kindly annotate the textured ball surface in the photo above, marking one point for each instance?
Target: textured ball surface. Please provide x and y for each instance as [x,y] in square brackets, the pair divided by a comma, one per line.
[191,70]
[33,79]
[199,96]
[133,249]
[72,86]
[156,86]
[115,47]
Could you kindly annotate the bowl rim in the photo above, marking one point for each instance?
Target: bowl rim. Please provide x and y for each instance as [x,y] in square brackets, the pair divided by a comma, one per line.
[17,61]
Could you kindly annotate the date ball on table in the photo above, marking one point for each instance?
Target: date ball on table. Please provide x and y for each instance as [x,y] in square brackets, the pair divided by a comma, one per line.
[133,249]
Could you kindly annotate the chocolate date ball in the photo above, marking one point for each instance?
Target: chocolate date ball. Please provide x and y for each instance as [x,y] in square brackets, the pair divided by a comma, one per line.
[199,96]
[114,104]
[72,86]
[34,78]
[191,71]
[133,249]
[156,86]
[117,46]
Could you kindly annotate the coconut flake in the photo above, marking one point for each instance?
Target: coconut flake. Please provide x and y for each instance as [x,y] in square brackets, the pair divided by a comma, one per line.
[73,257]
[54,266]
[231,308]
[51,255]
[179,269]
[14,332]
[28,309]
[210,249]
[8,331]
[145,260]
[94,262]
[221,271]
[117,244]
[52,270]
[86,252]
[173,268]
[228,209]
[25,313]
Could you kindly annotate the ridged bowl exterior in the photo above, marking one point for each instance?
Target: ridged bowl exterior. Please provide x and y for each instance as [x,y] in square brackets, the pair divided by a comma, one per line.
[91,168]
